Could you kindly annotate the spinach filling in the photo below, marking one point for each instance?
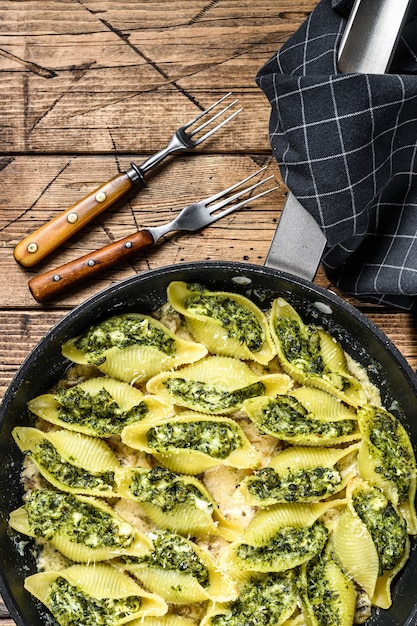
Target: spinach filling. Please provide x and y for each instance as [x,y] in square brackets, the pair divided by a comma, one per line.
[72,607]
[387,528]
[289,543]
[166,490]
[240,323]
[396,461]
[286,416]
[294,486]
[68,474]
[301,347]
[209,397]
[51,512]
[325,601]
[98,412]
[122,332]
[217,439]
[262,602]
[172,552]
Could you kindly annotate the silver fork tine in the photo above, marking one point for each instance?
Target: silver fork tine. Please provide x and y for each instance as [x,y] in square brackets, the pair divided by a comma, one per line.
[182,139]
[210,108]
[200,214]
[211,120]
[239,205]
[224,192]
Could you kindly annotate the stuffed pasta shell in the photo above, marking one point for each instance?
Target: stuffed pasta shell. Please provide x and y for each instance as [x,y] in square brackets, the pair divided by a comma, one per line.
[282,537]
[175,502]
[131,347]
[305,417]
[100,406]
[93,594]
[216,385]
[180,571]
[191,443]
[271,596]
[82,528]
[386,458]
[70,461]
[299,474]
[227,323]
[311,356]
[327,595]
[370,540]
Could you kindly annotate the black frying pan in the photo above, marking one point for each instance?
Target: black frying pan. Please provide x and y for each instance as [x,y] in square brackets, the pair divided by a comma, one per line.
[365,342]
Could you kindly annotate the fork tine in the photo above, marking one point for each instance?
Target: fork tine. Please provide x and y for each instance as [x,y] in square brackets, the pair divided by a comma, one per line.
[210,108]
[223,193]
[193,132]
[237,195]
[239,205]
[213,118]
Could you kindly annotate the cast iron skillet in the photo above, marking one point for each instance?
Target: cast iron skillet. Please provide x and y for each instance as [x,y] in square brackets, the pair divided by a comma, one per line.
[366,343]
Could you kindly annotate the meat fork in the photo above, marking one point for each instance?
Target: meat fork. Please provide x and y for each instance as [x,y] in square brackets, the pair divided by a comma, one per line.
[193,217]
[48,237]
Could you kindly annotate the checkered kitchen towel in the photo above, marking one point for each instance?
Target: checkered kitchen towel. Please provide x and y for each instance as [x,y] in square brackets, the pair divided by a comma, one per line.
[346,145]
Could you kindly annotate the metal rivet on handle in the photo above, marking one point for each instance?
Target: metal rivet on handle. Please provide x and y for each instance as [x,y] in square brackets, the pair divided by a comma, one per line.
[91,263]
[32,247]
[101,196]
[128,244]
[57,277]
[72,218]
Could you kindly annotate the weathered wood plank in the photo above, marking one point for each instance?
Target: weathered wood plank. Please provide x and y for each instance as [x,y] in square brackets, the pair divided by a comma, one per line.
[98,77]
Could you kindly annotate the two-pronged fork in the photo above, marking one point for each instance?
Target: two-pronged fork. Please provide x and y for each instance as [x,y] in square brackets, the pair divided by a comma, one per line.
[193,217]
[48,237]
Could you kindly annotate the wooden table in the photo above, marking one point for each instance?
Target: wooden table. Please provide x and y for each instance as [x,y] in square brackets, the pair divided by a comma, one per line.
[87,86]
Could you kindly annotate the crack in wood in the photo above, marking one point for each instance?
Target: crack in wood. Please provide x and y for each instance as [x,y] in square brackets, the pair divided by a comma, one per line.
[78,73]
[125,37]
[44,190]
[5,162]
[203,12]
[29,65]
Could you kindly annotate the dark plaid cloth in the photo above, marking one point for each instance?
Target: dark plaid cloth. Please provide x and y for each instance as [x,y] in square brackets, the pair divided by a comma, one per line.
[346,145]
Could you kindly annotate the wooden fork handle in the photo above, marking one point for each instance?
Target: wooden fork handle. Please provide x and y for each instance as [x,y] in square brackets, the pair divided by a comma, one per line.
[48,237]
[50,284]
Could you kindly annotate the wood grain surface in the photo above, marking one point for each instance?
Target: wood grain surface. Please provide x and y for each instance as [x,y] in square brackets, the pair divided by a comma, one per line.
[87,87]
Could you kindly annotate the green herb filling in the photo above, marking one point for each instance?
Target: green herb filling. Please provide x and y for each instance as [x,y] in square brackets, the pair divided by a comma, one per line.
[217,439]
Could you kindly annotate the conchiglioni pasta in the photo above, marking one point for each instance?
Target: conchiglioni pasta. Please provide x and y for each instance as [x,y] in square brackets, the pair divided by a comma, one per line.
[180,571]
[227,323]
[84,594]
[294,418]
[216,385]
[386,458]
[300,475]
[131,347]
[370,540]
[82,528]
[311,356]
[218,465]
[100,407]
[175,502]
[327,595]
[190,443]
[282,537]
[274,596]
[70,461]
